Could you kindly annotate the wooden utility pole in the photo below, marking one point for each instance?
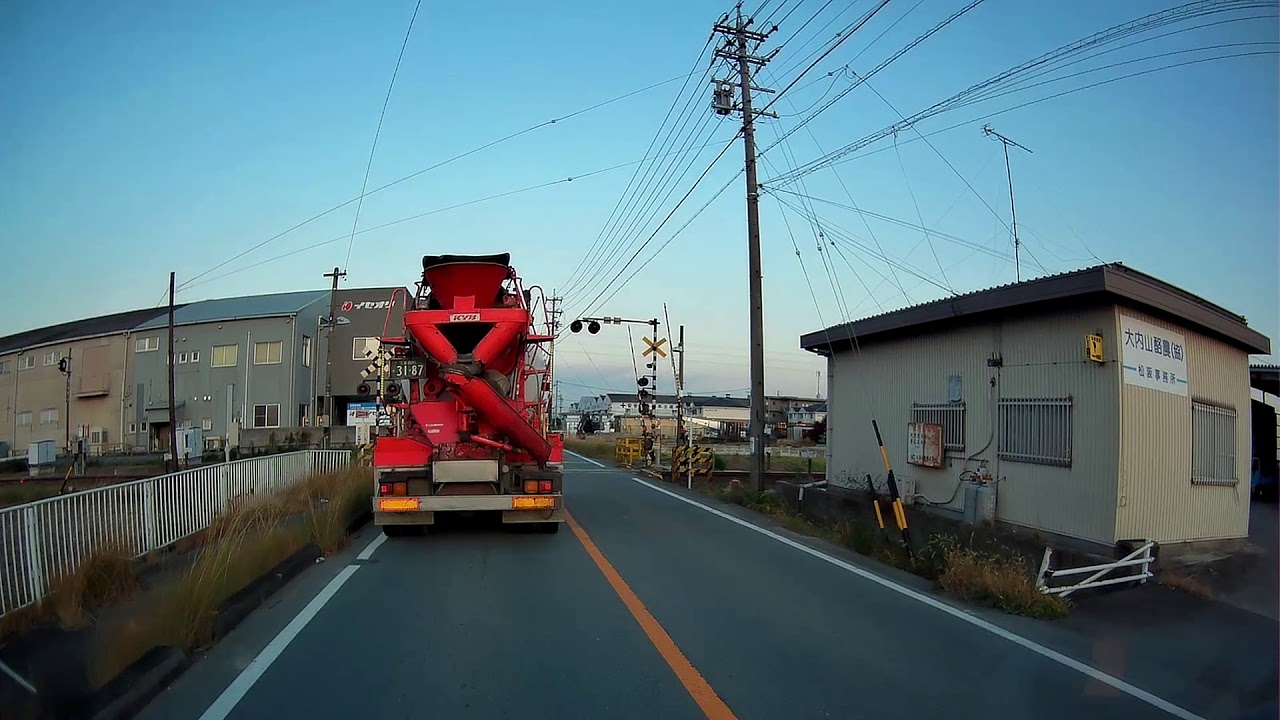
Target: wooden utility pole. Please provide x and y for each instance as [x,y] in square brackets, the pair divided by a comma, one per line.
[736,49]
[173,410]
[328,354]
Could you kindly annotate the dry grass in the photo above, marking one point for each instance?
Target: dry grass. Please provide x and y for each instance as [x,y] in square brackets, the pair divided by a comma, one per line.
[997,578]
[237,549]
[104,577]
[1185,583]
[1001,580]
[596,446]
[248,545]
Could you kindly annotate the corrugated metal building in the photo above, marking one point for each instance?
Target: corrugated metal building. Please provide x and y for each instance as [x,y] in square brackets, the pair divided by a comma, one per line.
[1108,404]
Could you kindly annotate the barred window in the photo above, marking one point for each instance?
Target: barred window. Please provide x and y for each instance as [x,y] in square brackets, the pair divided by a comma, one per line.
[1035,430]
[949,415]
[1213,444]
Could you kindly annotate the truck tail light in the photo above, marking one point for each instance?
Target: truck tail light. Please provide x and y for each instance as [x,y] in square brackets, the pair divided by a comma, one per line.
[531,486]
[401,488]
[544,486]
[384,489]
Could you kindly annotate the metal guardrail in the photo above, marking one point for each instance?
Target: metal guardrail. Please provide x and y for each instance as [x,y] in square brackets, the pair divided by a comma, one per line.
[1140,557]
[46,539]
[814,451]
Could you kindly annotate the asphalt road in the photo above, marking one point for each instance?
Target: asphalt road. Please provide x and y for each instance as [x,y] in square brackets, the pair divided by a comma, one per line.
[652,606]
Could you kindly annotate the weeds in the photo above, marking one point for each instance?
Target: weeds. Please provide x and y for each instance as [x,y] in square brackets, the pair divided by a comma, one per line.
[104,577]
[993,577]
[1189,584]
[249,544]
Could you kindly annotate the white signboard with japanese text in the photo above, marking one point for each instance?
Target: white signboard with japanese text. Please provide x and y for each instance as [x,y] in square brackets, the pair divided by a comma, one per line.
[1153,357]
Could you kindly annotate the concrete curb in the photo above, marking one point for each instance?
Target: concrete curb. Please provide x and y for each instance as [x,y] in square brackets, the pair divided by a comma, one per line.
[132,689]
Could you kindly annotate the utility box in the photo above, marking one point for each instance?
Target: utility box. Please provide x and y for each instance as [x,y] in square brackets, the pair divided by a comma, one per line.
[41,456]
[41,453]
[190,444]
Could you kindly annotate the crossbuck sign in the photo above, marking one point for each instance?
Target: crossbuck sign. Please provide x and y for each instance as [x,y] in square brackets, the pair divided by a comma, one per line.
[655,347]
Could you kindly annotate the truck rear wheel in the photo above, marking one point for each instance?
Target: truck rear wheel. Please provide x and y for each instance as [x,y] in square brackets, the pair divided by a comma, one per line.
[550,528]
[395,531]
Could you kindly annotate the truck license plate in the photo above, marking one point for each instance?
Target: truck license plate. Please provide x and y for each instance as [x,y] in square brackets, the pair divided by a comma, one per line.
[408,369]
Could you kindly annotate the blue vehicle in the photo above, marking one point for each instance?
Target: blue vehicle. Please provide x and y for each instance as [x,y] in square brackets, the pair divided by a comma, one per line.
[1262,485]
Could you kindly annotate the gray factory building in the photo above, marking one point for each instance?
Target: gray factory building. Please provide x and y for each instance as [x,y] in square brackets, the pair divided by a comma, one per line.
[243,360]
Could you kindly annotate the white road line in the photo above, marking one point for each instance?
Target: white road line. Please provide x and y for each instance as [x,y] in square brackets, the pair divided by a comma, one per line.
[957,613]
[368,550]
[584,457]
[239,687]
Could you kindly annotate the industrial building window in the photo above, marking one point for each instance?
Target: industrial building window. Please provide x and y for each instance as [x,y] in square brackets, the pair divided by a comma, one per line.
[1036,430]
[224,356]
[133,428]
[362,345]
[1213,444]
[195,356]
[24,418]
[4,367]
[206,424]
[49,417]
[949,415]
[266,416]
[26,362]
[147,344]
[52,357]
[182,358]
[267,353]
[306,351]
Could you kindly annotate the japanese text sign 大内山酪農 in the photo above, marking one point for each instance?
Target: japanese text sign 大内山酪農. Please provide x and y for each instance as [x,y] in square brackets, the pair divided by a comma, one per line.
[1153,357]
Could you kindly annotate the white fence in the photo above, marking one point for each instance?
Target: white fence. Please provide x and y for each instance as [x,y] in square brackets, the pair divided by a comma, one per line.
[1140,557]
[46,539]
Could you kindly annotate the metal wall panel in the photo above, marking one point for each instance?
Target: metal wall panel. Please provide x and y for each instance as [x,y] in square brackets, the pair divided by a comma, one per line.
[1157,498]
[1043,357]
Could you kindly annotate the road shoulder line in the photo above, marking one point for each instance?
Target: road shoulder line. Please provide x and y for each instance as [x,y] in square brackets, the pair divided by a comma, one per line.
[231,696]
[593,462]
[1041,650]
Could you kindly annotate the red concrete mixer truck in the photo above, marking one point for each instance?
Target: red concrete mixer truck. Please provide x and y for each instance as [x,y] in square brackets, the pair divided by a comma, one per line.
[466,383]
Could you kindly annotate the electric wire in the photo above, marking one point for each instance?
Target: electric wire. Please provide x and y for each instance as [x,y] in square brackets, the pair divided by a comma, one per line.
[364,185]
[508,193]
[429,168]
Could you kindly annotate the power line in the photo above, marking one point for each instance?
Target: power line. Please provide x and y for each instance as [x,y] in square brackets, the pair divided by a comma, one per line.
[1029,103]
[582,261]
[364,185]
[1012,75]
[417,216]
[848,33]
[656,230]
[427,169]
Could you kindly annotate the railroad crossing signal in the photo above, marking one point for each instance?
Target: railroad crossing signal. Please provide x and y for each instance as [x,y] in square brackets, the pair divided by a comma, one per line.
[655,347]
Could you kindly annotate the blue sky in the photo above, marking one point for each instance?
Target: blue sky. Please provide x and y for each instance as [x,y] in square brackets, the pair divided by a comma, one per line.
[140,138]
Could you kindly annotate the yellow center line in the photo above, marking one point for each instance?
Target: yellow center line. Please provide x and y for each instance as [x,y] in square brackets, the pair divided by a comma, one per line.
[697,686]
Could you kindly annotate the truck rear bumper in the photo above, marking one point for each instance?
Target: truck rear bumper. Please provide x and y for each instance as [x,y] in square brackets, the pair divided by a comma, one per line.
[428,506]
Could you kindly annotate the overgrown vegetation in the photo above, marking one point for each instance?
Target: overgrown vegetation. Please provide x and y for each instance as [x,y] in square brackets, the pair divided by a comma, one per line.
[254,536]
[601,447]
[999,578]
[1189,584]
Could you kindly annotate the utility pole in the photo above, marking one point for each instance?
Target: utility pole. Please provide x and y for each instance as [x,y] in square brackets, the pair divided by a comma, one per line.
[173,411]
[553,305]
[328,354]
[1013,213]
[64,367]
[735,49]
[683,436]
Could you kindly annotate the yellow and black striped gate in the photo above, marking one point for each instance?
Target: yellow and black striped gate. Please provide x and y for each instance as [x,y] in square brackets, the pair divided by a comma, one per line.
[692,459]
